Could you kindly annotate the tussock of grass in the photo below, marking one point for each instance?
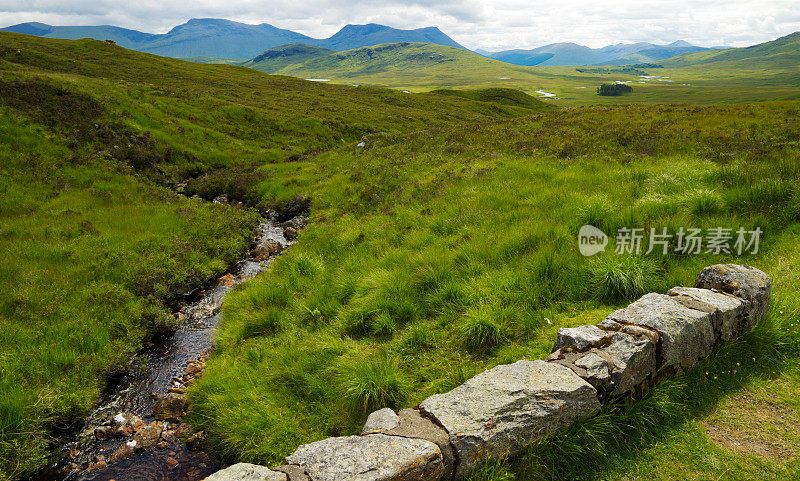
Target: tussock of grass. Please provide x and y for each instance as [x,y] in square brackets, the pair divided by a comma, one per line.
[372,384]
[615,278]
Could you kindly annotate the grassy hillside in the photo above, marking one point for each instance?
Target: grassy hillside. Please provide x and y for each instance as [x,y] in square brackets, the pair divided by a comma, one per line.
[279,57]
[445,246]
[784,49]
[423,67]
[94,243]
[406,64]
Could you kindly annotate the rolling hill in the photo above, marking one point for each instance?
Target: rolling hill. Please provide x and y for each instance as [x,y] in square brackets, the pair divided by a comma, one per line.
[574,54]
[219,38]
[781,50]
[409,64]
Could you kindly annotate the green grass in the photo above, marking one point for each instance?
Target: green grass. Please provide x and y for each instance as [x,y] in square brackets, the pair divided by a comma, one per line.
[445,246]
[94,243]
[470,235]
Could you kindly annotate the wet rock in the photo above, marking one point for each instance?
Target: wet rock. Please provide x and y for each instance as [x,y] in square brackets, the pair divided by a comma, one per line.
[297,222]
[502,410]
[227,280]
[148,436]
[193,371]
[686,334]
[162,445]
[382,419]
[183,430]
[730,314]
[266,249]
[125,451]
[581,337]
[247,472]
[370,458]
[747,283]
[97,466]
[290,233]
[197,441]
[170,407]
[168,436]
[171,462]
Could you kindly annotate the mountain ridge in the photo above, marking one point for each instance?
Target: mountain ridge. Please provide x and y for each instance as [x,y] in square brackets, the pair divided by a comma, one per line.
[221,38]
[568,53]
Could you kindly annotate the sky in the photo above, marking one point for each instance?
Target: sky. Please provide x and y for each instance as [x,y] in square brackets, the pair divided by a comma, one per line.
[476,24]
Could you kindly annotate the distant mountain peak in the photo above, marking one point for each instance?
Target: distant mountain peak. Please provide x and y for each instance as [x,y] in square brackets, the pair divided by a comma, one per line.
[680,43]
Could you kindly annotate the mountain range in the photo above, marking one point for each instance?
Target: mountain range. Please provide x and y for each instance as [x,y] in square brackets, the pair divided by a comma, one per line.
[574,54]
[226,39]
[218,38]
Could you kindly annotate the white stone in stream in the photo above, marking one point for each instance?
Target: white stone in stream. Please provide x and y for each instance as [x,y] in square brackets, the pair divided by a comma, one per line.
[686,334]
[381,419]
[747,283]
[581,337]
[506,408]
[247,472]
[731,316]
[376,457]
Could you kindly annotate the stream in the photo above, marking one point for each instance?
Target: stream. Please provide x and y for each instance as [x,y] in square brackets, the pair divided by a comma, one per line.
[121,440]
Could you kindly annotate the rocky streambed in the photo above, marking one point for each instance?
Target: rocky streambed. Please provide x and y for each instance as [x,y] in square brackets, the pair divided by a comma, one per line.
[137,432]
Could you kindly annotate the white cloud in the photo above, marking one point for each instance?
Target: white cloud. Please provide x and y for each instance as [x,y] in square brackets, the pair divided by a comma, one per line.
[489,24]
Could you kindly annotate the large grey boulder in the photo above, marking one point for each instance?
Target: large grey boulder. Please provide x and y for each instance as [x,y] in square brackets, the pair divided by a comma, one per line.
[375,457]
[384,418]
[747,283]
[581,337]
[686,334]
[247,472]
[731,315]
[504,409]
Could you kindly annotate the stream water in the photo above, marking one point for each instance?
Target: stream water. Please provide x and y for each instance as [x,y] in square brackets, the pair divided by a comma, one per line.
[152,373]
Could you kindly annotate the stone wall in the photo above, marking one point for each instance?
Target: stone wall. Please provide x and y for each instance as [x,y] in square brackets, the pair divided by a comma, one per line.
[501,411]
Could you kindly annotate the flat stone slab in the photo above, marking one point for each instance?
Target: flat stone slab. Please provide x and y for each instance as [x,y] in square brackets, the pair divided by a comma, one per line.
[504,409]
[247,472]
[381,419]
[686,334]
[376,457]
[747,283]
[732,317]
[581,337]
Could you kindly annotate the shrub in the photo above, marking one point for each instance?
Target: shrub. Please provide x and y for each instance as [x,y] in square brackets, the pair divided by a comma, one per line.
[614,89]
[615,278]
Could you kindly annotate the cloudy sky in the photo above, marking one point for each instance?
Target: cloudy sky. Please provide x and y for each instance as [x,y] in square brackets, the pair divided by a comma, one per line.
[486,24]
